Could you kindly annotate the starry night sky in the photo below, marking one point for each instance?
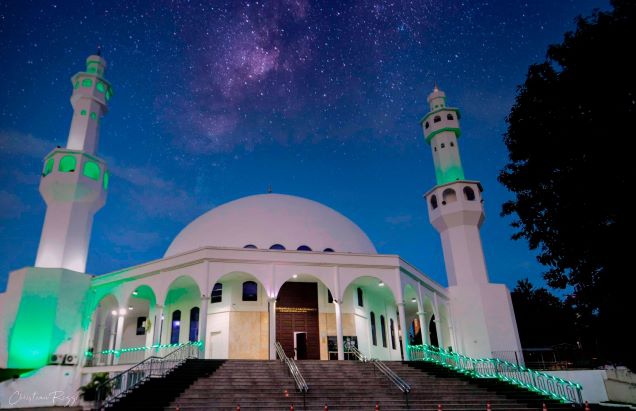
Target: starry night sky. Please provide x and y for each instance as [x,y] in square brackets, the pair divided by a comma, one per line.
[219,100]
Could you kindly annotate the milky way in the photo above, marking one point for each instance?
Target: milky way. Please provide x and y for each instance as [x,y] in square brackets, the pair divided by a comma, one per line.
[218,100]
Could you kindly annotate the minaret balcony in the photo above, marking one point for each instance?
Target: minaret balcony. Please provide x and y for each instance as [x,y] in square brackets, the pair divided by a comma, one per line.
[456,203]
[438,121]
[73,176]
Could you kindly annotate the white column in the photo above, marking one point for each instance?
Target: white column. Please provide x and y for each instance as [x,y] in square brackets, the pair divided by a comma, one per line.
[112,331]
[438,322]
[421,315]
[405,332]
[158,324]
[203,322]
[118,335]
[340,339]
[272,328]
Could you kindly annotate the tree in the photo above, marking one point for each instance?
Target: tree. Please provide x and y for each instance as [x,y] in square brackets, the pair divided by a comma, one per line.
[543,320]
[570,170]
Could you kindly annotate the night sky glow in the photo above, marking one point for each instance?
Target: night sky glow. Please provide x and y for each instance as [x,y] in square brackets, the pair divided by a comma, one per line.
[218,100]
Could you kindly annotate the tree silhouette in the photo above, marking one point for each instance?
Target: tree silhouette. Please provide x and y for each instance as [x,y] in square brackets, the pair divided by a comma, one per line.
[570,168]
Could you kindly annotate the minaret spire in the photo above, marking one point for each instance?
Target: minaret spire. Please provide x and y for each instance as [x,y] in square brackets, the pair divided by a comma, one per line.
[482,312]
[74,180]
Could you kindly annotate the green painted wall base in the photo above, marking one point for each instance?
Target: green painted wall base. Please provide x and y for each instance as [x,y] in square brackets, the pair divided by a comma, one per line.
[43,313]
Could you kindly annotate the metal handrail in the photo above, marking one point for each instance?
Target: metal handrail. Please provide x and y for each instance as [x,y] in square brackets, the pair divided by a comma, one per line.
[117,386]
[301,384]
[540,382]
[384,369]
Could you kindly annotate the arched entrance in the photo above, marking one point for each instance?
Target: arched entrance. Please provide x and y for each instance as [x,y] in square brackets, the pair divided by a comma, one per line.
[297,320]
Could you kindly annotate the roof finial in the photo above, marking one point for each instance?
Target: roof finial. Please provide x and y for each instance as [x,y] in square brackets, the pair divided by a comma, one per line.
[99,50]
[269,189]
[435,88]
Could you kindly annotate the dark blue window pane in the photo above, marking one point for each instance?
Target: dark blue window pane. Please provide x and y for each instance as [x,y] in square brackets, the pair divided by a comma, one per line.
[194,324]
[217,293]
[303,248]
[277,247]
[250,291]
[176,327]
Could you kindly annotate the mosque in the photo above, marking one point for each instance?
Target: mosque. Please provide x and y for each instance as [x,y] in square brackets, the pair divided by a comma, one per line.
[258,270]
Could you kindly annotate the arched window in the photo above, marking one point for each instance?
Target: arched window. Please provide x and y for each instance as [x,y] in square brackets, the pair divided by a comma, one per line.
[452,144]
[449,116]
[175,327]
[87,82]
[194,324]
[48,167]
[434,201]
[67,164]
[442,145]
[426,125]
[217,293]
[328,250]
[91,170]
[250,246]
[392,331]
[250,291]
[304,248]
[469,193]
[449,196]
[105,182]
[374,336]
[437,119]
[277,247]
[360,299]
[100,87]
[383,330]
[435,149]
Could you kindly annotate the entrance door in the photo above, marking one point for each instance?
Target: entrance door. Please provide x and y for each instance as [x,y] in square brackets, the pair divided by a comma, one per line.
[300,345]
[297,312]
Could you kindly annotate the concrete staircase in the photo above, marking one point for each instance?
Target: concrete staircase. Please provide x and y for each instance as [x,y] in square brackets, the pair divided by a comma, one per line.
[254,385]
[342,385]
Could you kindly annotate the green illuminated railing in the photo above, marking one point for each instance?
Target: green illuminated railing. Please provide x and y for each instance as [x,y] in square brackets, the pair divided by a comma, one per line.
[131,355]
[539,382]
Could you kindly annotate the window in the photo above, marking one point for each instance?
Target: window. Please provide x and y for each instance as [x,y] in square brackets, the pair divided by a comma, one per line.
[328,250]
[48,167]
[109,94]
[434,201]
[93,115]
[277,247]
[217,293]
[141,326]
[329,296]
[392,331]
[452,144]
[83,112]
[437,119]
[250,291]
[426,125]
[442,145]
[304,248]
[435,149]
[91,170]
[100,87]
[469,193]
[67,164]
[250,246]
[194,324]
[449,196]
[76,85]
[360,300]
[87,82]
[105,182]
[383,330]
[449,116]
[176,327]
[374,337]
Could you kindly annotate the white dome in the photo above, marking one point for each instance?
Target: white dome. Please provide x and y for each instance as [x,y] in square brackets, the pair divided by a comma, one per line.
[267,219]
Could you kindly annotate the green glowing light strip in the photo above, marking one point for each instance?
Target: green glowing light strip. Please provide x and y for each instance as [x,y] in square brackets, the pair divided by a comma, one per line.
[151,347]
[497,369]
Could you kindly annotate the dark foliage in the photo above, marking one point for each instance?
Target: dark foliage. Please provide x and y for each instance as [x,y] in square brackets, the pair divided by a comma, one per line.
[568,137]
[543,320]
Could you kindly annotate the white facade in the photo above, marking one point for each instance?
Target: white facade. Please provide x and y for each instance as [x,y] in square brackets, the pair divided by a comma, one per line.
[244,275]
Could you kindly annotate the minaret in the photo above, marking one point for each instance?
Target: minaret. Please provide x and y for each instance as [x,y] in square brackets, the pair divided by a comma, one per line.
[482,312]
[74,180]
